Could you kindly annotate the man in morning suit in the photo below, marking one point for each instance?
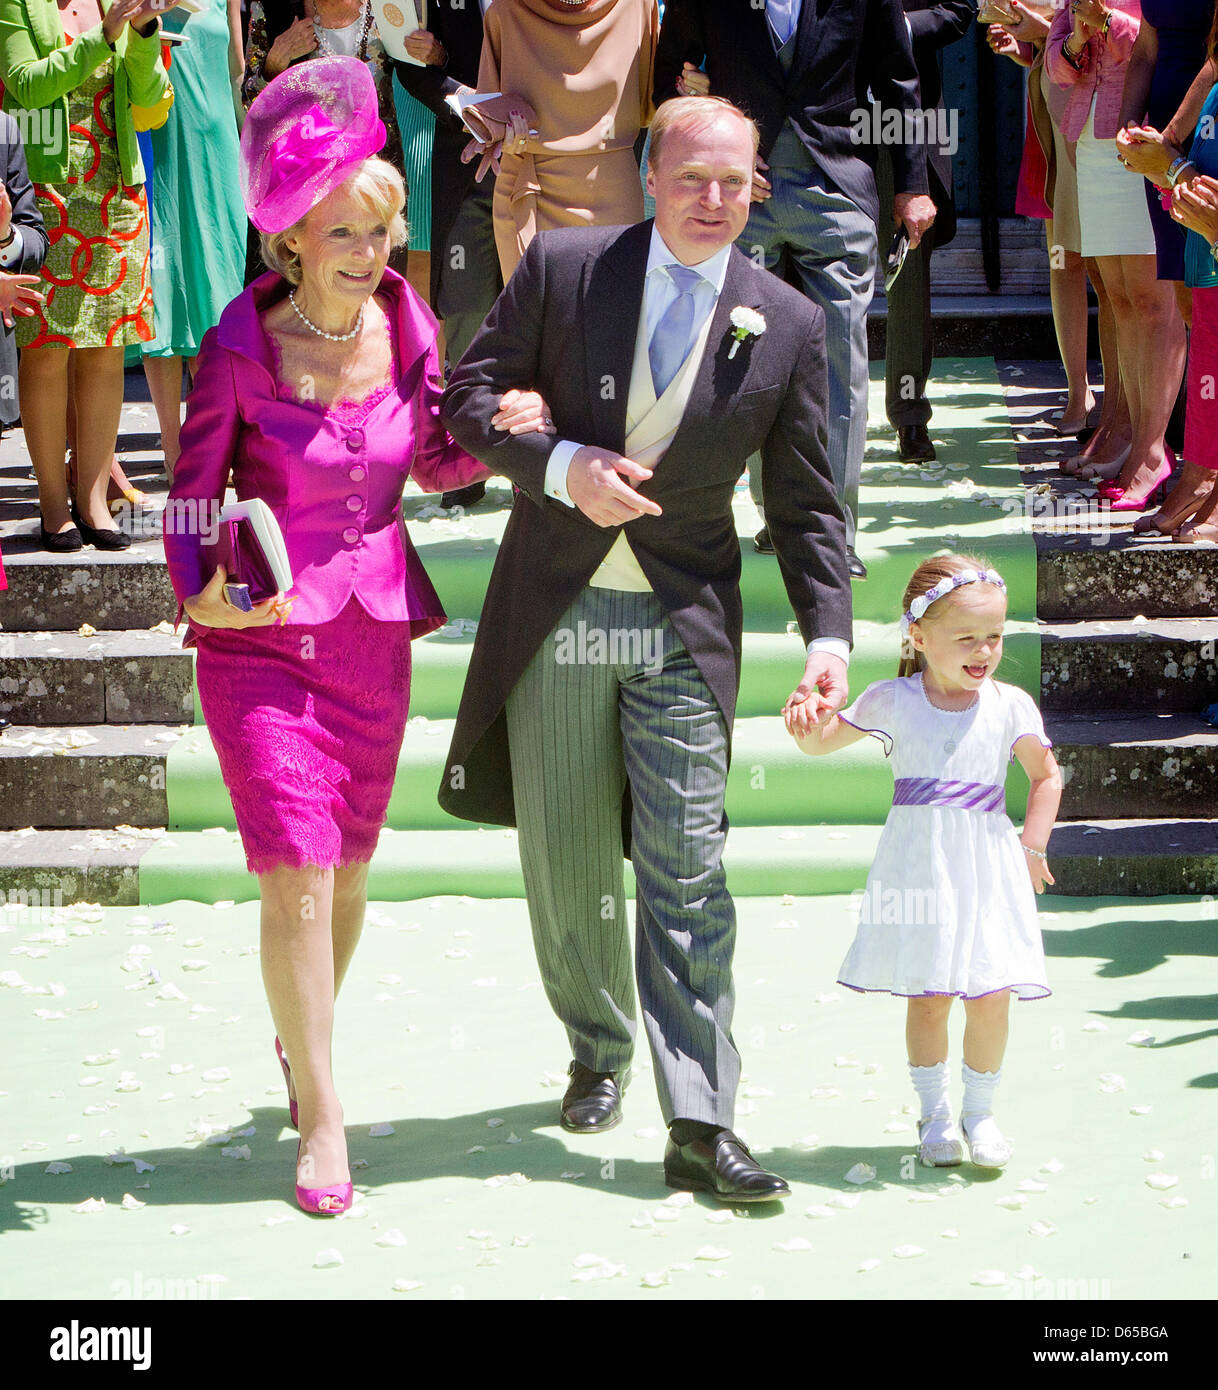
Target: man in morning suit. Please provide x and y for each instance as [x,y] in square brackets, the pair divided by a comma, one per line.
[933,25]
[802,70]
[465,278]
[598,707]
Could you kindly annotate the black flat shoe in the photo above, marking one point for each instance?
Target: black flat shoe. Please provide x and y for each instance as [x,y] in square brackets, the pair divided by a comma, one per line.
[854,565]
[100,540]
[62,543]
[593,1101]
[913,444]
[723,1167]
[762,543]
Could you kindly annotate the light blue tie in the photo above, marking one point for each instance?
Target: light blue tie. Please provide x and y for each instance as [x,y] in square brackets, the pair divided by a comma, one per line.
[670,343]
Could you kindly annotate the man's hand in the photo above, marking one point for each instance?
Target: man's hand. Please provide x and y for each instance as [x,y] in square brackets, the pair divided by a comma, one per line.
[523,412]
[426,48]
[595,483]
[917,212]
[17,296]
[821,693]
[761,185]
[210,608]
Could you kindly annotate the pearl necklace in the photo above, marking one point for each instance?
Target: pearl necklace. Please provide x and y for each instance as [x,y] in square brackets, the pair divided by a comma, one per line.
[323,43]
[321,333]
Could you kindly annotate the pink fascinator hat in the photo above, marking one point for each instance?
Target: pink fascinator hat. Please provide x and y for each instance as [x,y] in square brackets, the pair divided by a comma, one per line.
[303,135]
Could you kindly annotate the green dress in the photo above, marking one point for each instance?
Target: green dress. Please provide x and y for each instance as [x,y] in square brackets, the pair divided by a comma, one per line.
[95,277]
[198,220]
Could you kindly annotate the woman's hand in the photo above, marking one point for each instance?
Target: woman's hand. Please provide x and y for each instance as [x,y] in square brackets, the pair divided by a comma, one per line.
[523,412]
[693,82]
[1028,26]
[211,609]
[501,125]
[17,296]
[137,13]
[298,39]
[1146,151]
[1089,15]
[426,48]
[1195,206]
[1004,44]
[1038,868]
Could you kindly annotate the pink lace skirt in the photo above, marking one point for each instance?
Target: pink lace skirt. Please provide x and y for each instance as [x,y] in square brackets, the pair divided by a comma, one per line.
[307,722]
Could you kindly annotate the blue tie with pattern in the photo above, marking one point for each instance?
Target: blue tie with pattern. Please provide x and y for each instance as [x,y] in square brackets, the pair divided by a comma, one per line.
[670,342]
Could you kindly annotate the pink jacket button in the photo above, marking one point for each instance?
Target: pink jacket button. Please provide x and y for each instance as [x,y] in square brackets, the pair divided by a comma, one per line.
[358,473]
[354,503]
[350,535]
[355,441]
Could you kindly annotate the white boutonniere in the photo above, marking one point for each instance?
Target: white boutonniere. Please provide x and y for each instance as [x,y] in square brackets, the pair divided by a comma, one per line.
[746,323]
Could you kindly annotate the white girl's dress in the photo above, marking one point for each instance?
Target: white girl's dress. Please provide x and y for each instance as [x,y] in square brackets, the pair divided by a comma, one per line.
[949,906]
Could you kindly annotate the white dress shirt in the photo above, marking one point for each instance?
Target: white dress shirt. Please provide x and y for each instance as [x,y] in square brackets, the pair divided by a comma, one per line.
[659,291]
[12,253]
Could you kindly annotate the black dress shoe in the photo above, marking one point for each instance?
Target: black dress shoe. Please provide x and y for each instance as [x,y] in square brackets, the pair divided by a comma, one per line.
[61,543]
[723,1167]
[593,1101]
[762,543]
[913,444]
[463,496]
[857,569]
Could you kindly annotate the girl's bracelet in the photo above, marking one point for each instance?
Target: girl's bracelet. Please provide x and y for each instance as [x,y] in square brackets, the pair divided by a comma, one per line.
[1035,853]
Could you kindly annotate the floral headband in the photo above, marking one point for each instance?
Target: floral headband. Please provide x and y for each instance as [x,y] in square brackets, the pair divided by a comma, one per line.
[946,586]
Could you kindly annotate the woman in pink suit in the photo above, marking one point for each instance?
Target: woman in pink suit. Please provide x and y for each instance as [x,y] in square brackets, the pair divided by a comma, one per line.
[318,391]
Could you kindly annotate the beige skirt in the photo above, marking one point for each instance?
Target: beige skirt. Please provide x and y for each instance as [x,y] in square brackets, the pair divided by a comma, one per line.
[536,192]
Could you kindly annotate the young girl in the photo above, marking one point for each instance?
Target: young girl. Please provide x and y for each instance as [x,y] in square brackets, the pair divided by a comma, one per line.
[949,908]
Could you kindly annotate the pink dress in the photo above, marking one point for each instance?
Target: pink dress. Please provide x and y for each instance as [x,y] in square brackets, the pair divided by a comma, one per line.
[307,719]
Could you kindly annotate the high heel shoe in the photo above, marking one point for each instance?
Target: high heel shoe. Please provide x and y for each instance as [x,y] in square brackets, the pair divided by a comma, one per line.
[1181,512]
[100,540]
[324,1201]
[1122,501]
[293,1109]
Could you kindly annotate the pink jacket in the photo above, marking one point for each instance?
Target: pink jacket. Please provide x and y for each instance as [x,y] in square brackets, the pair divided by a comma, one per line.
[1103,69]
[335,488]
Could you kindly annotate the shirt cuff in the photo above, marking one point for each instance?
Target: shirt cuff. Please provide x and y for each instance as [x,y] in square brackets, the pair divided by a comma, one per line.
[835,646]
[556,470]
[13,252]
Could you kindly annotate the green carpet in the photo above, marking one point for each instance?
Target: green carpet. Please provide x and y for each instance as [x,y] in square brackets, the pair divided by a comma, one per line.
[443,1032]
[972,498]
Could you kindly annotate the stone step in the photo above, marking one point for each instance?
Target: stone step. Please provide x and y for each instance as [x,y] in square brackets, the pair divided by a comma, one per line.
[1157,666]
[111,590]
[1136,858]
[1100,858]
[1164,765]
[60,678]
[104,775]
[1115,576]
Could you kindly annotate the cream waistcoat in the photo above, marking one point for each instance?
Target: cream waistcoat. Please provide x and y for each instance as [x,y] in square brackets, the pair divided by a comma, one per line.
[650,427]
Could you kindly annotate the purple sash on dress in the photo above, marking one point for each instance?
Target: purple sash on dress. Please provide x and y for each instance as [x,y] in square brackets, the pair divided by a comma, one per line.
[928,791]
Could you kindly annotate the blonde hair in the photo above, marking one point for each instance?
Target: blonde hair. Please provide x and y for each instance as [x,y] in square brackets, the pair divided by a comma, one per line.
[922,581]
[694,114]
[377,185]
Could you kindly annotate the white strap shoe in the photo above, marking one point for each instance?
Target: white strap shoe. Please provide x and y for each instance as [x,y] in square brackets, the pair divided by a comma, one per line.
[987,1146]
[939,1145]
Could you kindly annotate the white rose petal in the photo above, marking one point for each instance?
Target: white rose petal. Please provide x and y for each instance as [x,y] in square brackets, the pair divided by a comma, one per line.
[819,1213]
[55,1169]
[1052,1166]
[950,1234]
[1161,1181]
[1111,1082]
[712,1252]
[1031,1185]
[666,1214]
[380,1131]
[907,1252]
[1042,1228]
[218,1074]
[1015,1202]
[1153,1156]
[406,1285]
[1140,1039]
[131,1203]
[91,1204]
[179,1230]
[989,1278]
[680,1199]
[1140,1109]
[795,1245]
[391,1237]
[656,1281]
[867,1266]
[327,1259]
[240,1152]
[1174,1203]
[860,1173]
[846,1201]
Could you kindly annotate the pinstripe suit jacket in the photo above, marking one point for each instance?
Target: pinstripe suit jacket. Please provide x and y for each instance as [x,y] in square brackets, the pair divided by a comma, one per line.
[565,326]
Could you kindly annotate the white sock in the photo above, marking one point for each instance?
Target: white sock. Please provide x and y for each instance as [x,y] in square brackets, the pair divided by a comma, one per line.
[931,1085]
[977,1112]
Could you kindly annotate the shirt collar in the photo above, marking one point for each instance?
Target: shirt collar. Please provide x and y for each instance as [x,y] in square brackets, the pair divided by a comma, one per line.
[714,268]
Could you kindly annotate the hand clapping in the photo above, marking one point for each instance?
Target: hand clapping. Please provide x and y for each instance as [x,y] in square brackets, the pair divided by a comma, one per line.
[1195,206]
